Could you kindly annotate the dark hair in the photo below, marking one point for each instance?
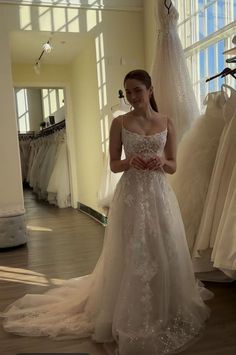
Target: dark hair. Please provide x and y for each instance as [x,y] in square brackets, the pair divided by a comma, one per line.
[144,77]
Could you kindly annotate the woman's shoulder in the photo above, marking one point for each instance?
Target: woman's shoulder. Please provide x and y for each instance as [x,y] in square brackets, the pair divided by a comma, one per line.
[119,120]
[165,118]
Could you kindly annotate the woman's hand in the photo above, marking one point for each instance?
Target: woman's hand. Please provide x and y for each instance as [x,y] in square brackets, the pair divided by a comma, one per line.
[137,162]
[155,163]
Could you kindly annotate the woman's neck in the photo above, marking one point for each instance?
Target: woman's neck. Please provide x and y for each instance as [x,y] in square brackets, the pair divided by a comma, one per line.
[144,113]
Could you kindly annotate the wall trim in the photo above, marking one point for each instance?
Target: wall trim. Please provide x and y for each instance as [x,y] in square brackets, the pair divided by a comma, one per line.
[99,217]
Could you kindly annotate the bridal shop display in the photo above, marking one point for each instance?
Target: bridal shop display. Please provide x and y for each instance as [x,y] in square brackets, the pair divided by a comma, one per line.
[44,164]
[109,180]
[171,80]
[205,186]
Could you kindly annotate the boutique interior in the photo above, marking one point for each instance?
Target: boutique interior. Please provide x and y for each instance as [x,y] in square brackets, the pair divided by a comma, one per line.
[62,69]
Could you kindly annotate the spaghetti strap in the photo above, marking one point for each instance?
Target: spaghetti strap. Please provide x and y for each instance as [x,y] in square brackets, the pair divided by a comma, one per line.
[122,121]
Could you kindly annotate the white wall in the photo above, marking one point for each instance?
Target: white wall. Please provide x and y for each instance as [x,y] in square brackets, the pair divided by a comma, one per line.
[11,196]
[116,45]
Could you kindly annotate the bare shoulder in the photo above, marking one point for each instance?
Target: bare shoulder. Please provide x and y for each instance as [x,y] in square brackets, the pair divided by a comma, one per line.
[163,119]
[117,122]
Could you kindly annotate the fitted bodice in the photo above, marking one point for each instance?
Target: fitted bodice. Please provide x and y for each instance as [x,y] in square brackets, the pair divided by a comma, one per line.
[147,146]
[166,20]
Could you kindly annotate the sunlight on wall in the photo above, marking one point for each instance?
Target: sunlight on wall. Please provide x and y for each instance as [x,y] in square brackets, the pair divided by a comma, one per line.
[53,100]
[45,19]
[93,19]
[72,20]
[25,18]
[25,276]
[22,111]
[52,19]
[59,19]
[102,89]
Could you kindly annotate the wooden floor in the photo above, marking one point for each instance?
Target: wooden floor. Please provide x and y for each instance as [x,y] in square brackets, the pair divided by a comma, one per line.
[64,243]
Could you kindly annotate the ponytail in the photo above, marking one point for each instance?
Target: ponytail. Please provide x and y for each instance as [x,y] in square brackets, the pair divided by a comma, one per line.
[153,103]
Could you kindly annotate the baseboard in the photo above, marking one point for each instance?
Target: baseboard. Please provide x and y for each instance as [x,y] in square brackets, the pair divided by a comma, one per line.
[92,213]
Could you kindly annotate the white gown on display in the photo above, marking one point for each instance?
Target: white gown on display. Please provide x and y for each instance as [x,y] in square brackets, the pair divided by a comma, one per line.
[195,161]
[109,180]
[47,166]
[171,81]
[59,183]
[142,292]
[217,231]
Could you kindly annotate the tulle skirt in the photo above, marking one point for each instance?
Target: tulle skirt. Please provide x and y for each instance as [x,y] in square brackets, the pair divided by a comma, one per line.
[142,294]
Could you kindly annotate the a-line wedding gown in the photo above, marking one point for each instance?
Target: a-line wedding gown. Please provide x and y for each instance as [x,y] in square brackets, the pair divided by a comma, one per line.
[170,76]
[142,293]
[195,161]
[216,235]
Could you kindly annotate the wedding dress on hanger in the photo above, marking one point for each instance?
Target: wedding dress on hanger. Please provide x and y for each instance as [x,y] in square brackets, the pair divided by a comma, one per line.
[195,161]
[216,236]
[59,183]
[171,81]
[142,293]
[109,180]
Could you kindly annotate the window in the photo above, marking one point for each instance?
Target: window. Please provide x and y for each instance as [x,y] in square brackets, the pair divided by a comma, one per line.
[212,24]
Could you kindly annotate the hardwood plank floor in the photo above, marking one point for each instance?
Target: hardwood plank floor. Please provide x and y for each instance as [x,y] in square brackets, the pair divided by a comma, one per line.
[64,243]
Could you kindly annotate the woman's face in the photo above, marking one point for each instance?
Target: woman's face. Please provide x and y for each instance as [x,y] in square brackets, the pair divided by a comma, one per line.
[137,94]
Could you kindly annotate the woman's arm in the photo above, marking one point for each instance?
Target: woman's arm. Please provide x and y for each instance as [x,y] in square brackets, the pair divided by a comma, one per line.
[115,147]
[169,165]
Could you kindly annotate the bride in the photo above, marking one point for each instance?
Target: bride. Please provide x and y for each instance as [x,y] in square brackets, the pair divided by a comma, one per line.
[142,295]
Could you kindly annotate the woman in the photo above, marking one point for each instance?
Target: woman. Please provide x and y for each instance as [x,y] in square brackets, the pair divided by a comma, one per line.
[142,294]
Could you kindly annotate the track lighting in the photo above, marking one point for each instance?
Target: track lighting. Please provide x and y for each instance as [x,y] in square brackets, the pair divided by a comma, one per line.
[46,49]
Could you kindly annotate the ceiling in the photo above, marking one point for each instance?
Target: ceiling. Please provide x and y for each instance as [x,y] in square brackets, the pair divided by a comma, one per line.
[26,46]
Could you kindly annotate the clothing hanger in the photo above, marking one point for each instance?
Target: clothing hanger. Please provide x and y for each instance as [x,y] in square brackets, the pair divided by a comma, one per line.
[168,7]
[223,73]
[231,72]
[231,60]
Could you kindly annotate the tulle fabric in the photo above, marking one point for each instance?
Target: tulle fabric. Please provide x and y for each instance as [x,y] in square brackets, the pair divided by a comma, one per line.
[142,293]
[195,161]
[171,81]
[58,187]
[216,233]
[109,180]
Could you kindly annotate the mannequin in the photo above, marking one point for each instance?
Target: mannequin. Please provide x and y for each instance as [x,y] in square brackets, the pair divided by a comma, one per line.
[109,179]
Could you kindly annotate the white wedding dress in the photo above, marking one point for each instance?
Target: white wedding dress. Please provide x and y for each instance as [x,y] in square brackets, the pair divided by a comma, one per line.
[217,231]
[171,80]
[195,161]
[142,293]
[109,180]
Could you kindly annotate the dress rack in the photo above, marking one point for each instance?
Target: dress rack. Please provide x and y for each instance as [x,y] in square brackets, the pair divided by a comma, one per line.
[26,136]
[51,129]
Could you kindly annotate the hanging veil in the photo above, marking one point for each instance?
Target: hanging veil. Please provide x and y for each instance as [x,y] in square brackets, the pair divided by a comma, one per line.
[109,180]
[170,76]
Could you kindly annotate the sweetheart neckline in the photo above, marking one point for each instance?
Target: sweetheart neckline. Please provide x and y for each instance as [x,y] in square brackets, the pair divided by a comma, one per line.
[144,135]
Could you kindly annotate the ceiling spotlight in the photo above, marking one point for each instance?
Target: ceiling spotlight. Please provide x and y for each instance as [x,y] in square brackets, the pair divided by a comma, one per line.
[47,47]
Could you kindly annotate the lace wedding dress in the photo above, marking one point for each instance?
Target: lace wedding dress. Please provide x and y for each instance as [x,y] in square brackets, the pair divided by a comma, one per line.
[195,161]
[216,235]
[109,180]
[142,294]
[171,81]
